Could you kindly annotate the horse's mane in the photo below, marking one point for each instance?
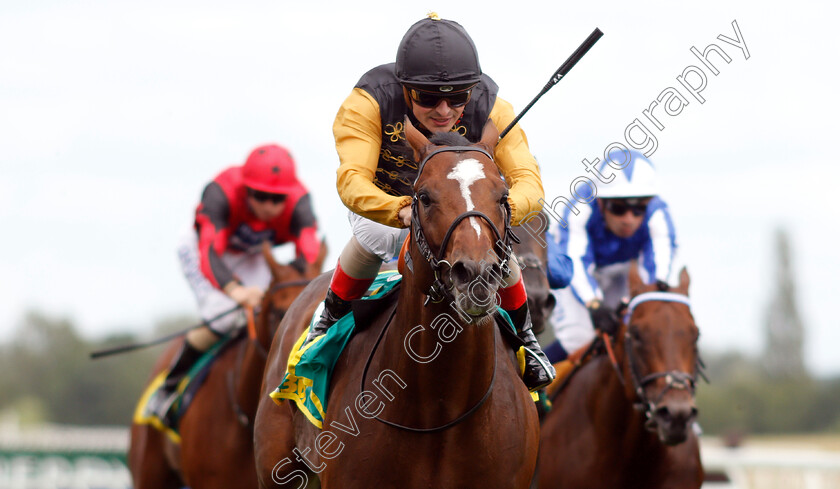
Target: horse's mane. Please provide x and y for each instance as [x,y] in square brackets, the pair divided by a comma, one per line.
[449,139]
[441,139]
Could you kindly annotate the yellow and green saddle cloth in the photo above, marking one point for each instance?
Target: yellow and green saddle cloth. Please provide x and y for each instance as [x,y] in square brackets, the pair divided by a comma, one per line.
[308,373]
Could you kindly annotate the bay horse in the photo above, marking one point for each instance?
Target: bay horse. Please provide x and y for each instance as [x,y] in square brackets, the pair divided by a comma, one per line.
[216,431]
[626,419]
[422,396]
[532,254]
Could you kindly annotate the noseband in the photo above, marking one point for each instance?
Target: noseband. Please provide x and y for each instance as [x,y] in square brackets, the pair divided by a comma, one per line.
[674,379]
[437,291]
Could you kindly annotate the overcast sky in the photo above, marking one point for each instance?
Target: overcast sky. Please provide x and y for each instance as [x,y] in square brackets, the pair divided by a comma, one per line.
[114,115]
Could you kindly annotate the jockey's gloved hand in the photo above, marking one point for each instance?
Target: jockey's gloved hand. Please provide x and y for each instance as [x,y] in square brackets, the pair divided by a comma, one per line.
[405,215]
[244,296]
[603,318]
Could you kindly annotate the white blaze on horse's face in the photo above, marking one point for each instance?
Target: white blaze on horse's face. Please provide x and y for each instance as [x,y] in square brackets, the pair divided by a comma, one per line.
[467,172]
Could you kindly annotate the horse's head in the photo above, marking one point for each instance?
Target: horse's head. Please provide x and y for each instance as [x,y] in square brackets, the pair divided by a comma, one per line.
[287,282]
[661,360]
[532,255]
[460,220]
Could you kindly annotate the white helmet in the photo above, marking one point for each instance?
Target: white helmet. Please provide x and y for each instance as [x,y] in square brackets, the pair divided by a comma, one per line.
[636,179]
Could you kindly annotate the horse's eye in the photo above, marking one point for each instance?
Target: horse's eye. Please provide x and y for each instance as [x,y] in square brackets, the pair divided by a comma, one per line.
[503,200]
[634,333]
[424,199]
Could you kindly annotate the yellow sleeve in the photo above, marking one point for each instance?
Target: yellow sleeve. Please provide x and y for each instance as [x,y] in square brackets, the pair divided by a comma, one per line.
[358,138]
[517,164]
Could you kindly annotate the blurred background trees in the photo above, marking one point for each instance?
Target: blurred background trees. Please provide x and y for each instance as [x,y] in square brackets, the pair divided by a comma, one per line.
[46,374]
[773,393]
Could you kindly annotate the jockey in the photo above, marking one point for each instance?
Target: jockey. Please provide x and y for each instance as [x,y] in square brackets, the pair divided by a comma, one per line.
[627,221]
[221,256]
[437,82]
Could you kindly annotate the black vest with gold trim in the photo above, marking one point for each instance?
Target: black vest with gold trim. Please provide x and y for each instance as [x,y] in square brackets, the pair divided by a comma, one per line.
[396,172]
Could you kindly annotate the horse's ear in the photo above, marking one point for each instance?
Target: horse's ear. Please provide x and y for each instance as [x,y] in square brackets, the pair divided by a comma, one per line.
[419,143]
[489,136]
[685,281]
[315,268]
[269,259]
[635,280]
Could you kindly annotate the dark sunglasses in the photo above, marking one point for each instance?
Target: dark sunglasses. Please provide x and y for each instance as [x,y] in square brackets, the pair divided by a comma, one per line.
[264,196]
[620,207]
[430,100]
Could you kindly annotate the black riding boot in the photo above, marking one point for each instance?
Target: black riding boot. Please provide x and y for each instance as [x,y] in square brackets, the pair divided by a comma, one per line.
[335,308]
[181,364]
[538,370]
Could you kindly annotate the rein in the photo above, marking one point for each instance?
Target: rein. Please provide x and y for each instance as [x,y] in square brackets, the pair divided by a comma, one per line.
[674,379]
[444,426]
[437,291]
[290,283]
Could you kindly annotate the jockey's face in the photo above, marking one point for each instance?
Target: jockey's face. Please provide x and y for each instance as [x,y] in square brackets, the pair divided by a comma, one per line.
[440,118]
[623,217]
[265,206]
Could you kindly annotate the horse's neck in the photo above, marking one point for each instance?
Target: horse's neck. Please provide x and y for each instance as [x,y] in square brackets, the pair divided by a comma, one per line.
[470,351]
[617,411]
[251,365]
[460,370]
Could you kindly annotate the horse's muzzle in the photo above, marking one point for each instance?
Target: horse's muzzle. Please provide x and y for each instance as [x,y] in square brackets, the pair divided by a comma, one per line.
[674,419]
[474,286]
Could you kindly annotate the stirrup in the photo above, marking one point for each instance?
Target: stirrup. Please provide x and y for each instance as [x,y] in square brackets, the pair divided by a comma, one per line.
[539,373]
[334,309]
[161,403]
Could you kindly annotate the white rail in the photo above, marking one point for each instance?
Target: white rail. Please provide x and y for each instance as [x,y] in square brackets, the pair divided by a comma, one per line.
[772,468]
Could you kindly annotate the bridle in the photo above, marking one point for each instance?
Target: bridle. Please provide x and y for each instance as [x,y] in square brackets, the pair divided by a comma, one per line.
[674,379]
[438,291]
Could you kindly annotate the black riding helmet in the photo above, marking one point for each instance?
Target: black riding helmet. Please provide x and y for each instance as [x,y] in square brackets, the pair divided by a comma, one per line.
[437,54]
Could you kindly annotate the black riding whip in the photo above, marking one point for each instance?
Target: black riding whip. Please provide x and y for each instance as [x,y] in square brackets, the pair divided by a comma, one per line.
[137,346]
[559,74]
[163,339]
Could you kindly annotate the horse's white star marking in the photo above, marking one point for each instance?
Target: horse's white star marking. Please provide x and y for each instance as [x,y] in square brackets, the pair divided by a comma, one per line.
[467,172]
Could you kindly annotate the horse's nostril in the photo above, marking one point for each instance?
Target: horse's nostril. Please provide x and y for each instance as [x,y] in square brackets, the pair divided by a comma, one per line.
[460,273]
[677,414]
[494,273]
[550,303]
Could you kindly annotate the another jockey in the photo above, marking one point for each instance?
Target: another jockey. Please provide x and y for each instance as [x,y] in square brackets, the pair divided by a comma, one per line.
[627,221]
[221,256]
[437,82]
